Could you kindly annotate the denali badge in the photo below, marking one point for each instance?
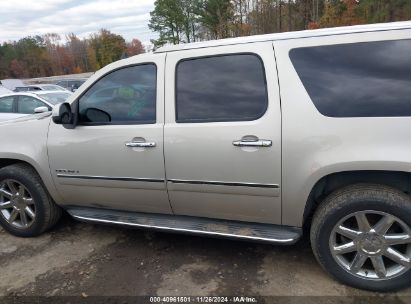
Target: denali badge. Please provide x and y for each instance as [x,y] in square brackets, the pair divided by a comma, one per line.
[66,171]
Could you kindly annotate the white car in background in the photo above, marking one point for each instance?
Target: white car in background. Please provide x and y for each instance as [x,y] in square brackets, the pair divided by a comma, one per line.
[20,104]
[4,91]
[11,84]
[40,87]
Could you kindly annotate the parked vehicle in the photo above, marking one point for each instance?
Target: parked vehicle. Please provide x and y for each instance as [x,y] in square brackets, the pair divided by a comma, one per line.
[16,105]
[40,87]
[71,84]
[25,89]
[11,84]
[4,90]
[305,129]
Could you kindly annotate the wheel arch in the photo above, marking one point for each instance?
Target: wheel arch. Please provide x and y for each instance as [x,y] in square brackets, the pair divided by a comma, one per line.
[329,183]
[8,160]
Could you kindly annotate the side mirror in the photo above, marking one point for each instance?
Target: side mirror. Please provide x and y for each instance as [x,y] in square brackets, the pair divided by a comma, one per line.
[41,110]
[97,115]
[62,114]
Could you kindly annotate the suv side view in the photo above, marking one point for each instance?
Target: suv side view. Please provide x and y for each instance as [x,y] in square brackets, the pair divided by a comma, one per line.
[256,138]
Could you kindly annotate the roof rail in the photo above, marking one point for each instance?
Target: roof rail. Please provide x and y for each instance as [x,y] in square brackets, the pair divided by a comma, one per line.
[290,35]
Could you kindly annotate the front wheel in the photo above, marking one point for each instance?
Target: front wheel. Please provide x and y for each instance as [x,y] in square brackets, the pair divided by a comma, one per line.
[26,209]
[361,235]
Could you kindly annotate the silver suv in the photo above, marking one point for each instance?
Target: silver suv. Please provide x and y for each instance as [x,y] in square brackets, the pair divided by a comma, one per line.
[256,138]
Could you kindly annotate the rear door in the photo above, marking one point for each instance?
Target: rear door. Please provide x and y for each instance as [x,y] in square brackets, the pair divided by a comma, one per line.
[223,133]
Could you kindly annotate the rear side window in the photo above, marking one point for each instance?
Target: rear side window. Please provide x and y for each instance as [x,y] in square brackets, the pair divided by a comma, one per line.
[220,88]
[6,104]
[369,79]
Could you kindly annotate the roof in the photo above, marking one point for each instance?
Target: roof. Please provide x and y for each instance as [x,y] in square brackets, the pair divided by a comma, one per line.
[11,84]
[4,90]
[290,35]
[35,93]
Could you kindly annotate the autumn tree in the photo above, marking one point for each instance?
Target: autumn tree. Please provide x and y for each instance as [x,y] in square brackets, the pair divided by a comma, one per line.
[78,52]
[135,47]
[93,64]
[108,47]
[52,41]
[31,52]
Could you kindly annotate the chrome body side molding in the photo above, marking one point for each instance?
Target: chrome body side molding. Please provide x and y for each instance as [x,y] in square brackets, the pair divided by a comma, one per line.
[175,181]
[197,182]
[128,179]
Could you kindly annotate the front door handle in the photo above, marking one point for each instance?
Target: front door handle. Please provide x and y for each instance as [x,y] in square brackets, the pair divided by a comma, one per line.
[253,143]
[140,144]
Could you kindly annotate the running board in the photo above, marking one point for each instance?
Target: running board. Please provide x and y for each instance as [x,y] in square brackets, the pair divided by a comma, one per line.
[193,225]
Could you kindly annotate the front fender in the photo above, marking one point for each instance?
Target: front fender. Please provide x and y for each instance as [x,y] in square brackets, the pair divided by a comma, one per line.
[26,141]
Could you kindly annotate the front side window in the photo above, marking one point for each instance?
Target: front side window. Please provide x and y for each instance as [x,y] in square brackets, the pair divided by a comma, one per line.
[6,104]
[220,88]
[125,96]
[27,104]
[368,79]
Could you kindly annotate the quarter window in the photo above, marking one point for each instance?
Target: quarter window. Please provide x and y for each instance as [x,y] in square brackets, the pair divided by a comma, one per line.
[125,96]
[220,88]
[369,79]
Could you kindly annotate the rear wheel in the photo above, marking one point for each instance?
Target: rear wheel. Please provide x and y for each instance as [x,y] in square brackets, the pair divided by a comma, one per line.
[361,235]
[26,209]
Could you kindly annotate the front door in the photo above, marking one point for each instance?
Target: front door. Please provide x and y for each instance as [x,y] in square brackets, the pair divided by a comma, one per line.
[223,133]
[114,157]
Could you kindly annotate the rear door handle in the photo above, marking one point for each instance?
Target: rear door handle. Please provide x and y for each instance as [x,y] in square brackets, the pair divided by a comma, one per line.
[253,143]
[140,144]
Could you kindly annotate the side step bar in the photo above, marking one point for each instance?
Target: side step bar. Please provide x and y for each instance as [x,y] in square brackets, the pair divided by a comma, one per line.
[192,225]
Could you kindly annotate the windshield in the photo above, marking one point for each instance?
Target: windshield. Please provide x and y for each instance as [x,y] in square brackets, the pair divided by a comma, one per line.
[55,98]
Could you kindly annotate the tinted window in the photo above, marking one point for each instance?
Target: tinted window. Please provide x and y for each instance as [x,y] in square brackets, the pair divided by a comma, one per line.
[127,96]
[27,104]
[221,88]
[6,104]
[358,79]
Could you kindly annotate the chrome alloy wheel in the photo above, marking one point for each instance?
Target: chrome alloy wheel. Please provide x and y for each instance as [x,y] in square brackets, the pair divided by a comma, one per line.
[372,245]
[16,204]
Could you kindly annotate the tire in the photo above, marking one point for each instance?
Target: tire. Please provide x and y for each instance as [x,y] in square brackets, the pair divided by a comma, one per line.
[345,208]
[46,212]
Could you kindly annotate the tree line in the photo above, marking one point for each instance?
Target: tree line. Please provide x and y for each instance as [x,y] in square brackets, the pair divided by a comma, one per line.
[50,55]
[183,21]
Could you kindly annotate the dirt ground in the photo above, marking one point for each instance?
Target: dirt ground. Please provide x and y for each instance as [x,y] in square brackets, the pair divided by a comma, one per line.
[79,259]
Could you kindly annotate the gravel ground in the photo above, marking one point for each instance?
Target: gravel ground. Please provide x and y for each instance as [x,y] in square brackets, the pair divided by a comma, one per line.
[79,259]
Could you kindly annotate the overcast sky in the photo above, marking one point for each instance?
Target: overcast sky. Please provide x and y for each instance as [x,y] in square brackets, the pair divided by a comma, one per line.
[129,18]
